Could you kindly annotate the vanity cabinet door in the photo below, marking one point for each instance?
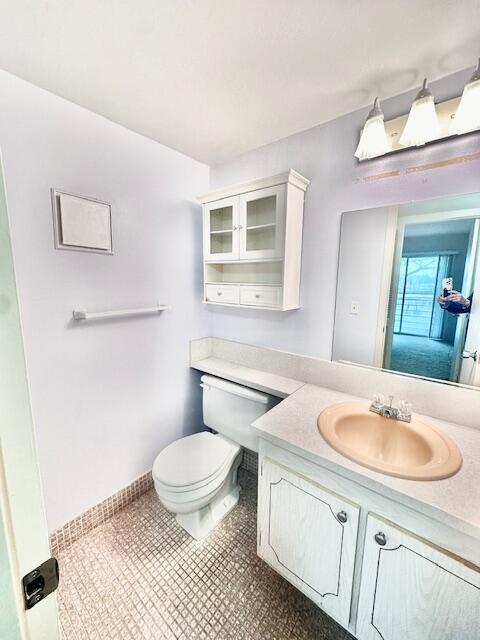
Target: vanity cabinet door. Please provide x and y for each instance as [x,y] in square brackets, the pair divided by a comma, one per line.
[308,535]
[413,590]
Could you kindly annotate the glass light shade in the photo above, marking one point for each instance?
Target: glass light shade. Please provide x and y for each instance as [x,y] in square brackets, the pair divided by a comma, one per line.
[422,123]
[467,117]
[373,141]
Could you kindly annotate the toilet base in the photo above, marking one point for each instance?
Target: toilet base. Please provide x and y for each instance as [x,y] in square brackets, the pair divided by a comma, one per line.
[199,524]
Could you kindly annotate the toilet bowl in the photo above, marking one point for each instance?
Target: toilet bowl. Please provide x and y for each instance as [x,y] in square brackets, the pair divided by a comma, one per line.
[195,477]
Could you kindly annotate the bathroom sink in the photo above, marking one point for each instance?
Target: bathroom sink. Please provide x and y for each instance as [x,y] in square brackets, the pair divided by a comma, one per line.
[414,450]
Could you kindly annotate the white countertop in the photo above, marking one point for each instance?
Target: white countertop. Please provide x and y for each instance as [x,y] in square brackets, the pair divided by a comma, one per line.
[292,424]
[261,380]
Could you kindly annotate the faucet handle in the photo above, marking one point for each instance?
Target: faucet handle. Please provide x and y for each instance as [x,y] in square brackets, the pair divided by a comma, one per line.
[405,409]
[378,400]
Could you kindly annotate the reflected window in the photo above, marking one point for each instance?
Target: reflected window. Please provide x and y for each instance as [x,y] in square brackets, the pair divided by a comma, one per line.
[420,284]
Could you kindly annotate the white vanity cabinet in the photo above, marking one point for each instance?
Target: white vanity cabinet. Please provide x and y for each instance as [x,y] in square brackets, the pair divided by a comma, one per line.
[308,535]
[410,589]
[383,570]
[252,242]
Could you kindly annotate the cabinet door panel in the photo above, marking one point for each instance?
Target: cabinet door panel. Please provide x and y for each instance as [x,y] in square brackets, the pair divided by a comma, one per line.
[302,537]
[412,590]
[220,229]
[262,223]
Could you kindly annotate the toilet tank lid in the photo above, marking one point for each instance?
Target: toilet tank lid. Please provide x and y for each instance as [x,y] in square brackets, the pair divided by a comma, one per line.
[236,389]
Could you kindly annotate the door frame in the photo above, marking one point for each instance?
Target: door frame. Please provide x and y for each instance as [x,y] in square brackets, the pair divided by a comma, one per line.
[473,321]
[384,301]
[22,508]
[416,218]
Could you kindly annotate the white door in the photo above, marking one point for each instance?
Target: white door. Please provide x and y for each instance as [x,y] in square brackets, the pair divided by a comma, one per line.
[470,355]
[410,590]
[262,223]
[220,230]
[23,531]
[308,535]
[470,363]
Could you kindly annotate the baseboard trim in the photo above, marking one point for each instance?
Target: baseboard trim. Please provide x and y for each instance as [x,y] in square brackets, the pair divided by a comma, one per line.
[100,513]
[64,536]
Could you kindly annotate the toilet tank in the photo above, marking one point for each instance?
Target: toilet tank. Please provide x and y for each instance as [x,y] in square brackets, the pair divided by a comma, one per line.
[230,409]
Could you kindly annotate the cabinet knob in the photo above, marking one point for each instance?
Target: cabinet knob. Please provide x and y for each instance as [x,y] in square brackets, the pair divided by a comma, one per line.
[219,293]
[342,517]
[235,227]
[257,295]
[381,538]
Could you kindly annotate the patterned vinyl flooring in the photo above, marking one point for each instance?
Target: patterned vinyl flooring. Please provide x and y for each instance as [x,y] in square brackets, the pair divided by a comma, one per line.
[138,576]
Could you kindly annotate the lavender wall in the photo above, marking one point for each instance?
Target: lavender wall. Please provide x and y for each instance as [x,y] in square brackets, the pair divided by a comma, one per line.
[106,396]
[325,155]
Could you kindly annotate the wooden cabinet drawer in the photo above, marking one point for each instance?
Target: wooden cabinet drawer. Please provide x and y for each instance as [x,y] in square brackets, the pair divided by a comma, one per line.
[224,293]
[260,296]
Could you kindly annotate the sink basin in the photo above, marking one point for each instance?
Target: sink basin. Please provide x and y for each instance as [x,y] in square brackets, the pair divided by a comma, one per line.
[414,450]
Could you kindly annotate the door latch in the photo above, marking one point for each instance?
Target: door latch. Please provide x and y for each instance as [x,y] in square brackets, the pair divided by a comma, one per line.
[470,354]
[40,582]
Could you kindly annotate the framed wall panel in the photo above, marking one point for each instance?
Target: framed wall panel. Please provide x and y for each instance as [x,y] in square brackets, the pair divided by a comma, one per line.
[81,224]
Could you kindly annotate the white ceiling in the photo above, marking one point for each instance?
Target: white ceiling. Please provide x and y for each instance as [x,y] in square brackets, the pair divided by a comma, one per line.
[214,78]
[445,227]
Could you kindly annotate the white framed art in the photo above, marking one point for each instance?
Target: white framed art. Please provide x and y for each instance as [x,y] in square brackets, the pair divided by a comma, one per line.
[81,223]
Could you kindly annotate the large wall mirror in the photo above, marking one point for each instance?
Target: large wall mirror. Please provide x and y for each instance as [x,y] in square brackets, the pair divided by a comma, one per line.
[408,289]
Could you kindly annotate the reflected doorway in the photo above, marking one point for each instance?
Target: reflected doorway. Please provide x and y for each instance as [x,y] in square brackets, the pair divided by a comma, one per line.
[427,339]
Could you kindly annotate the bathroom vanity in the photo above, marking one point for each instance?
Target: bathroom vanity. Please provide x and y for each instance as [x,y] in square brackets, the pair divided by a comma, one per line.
[388,558]
[354,552]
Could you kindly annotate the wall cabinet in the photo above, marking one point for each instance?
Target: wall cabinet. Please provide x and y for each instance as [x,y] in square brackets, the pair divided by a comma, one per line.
[410,589]
[337,543]
[308,535]
[252,241]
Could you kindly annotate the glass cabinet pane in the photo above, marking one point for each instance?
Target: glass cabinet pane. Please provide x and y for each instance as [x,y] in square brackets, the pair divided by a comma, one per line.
[221,230]
[261,224]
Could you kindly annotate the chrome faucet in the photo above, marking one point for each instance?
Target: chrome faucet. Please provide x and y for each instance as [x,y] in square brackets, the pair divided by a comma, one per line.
[402,413]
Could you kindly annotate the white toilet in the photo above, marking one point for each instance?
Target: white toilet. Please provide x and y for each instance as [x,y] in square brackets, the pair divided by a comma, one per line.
[196,476]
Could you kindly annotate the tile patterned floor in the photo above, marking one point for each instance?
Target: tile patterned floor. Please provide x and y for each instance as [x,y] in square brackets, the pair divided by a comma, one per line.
[139,576]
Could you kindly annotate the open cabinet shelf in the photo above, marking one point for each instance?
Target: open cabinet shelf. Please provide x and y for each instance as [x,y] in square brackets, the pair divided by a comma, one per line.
[253,243]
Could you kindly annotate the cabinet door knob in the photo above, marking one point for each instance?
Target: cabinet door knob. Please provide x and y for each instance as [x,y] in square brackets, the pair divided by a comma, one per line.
[381,538]
[342,517]
[219,293]
[257,295]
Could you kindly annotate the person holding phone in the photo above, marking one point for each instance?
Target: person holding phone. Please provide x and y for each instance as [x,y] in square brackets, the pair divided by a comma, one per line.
[454,302]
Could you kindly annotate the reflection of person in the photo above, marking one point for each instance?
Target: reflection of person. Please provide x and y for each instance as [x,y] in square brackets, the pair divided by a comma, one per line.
[455,302]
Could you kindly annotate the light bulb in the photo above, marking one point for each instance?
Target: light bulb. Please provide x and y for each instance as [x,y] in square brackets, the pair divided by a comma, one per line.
[373,141]
[422,123]
[467,117]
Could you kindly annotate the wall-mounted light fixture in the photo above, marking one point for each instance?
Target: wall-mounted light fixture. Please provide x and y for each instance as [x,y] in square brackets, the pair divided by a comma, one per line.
[467,117]
[425,123]
[373,141]
[422,122]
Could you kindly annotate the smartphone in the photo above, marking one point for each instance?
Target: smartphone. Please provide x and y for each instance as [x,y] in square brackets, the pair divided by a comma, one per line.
[447,286]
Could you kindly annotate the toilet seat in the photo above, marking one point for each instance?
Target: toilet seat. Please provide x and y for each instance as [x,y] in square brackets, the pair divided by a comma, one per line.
[194,465]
